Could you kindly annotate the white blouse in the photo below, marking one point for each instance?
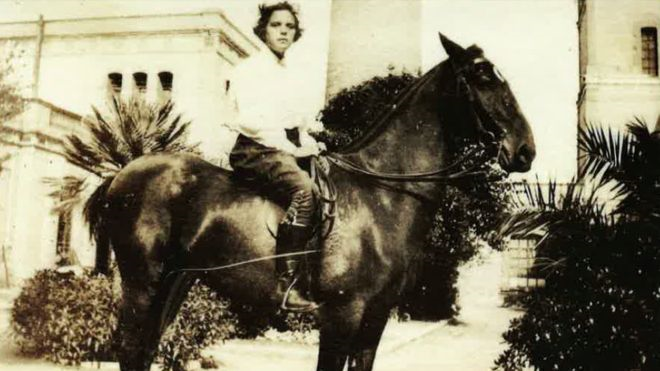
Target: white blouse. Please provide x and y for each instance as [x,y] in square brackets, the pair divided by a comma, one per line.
[268,97]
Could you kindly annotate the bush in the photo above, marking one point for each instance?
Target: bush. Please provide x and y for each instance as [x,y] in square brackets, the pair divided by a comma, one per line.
[71,319]
[65,318]
[600,306]
[203,320]
[353,109]
[599,309]
[464,220]
[463,223]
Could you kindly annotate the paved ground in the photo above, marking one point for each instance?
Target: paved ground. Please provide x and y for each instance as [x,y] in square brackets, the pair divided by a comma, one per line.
[469,346]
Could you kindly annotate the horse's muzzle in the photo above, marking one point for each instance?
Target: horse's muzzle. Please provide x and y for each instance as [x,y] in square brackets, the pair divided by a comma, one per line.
[519,161]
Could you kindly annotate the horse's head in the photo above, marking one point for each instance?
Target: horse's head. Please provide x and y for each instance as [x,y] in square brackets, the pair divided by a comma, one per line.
[494,110]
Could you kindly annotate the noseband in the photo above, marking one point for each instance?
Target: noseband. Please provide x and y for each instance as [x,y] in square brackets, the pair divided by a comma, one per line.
[478,115]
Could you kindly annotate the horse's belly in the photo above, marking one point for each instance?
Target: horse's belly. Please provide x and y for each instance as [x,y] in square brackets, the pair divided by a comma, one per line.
[237,242]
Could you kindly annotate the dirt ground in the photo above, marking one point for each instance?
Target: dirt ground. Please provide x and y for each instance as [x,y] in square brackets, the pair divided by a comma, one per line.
[471,345]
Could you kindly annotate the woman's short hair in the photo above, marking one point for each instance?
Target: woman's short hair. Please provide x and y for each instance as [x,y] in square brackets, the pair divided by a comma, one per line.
[265,11]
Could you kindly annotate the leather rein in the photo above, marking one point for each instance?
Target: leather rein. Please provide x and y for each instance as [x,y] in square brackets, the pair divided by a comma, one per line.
[478,113]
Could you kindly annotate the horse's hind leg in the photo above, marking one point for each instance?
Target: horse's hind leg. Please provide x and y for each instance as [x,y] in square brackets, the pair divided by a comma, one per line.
[144,316]
[137,327]
[339,324]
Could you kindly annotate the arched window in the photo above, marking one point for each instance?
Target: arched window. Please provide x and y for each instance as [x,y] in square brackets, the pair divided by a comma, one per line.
[650,51]
[166,78]
[140,79]
[115,80]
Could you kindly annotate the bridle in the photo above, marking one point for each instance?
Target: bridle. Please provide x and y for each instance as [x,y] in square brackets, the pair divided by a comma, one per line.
[479,115]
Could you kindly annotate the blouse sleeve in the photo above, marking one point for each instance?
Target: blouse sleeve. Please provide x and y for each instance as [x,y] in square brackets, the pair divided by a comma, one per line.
[248,123]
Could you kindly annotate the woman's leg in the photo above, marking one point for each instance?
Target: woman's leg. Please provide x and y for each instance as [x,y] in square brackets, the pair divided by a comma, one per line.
[280,177]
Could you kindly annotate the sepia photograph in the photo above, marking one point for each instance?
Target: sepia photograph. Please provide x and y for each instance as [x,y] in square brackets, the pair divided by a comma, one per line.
[329,185]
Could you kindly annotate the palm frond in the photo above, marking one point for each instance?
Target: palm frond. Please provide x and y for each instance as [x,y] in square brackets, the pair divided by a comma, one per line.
[66,192]
[131,129]
[536,208]
[605,153]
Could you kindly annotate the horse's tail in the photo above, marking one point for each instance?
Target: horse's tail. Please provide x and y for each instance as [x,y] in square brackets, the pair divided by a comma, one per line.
[95,212]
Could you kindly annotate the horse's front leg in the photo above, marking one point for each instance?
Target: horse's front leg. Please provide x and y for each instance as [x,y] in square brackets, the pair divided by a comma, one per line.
[339,324]
[366,340]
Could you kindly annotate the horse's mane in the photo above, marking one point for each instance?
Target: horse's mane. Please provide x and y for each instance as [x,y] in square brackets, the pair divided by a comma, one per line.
[380,123]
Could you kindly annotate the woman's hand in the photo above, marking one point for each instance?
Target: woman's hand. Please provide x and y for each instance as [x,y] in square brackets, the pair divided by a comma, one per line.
[308,150]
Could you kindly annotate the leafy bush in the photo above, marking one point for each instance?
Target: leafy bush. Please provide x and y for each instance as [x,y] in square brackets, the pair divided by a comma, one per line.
[203,320]
[353,109]
[65,318]
[600,306]
[71,319]
[464,220]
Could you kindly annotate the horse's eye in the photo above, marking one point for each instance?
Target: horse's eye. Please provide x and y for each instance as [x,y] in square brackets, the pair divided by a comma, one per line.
[484,72]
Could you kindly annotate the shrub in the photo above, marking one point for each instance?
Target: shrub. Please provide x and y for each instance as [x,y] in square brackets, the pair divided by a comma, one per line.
[353,109]
[71,319]
[600,306]
[65,318]
[203,320]
[464,220]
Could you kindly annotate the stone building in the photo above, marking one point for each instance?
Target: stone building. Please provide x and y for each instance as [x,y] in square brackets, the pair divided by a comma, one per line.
[619,81]
[73,64]
[619,61]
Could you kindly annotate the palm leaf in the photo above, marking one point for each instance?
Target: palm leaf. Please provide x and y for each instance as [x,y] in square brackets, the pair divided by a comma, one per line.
[66,191]
[131,129]
[540,206]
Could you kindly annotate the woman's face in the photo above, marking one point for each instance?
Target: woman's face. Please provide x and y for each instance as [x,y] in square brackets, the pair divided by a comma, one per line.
[280,30]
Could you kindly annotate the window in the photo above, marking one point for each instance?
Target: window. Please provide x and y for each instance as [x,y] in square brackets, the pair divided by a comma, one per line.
[650,51]
[165,80]
[140,79]
[63,246]
[115,81]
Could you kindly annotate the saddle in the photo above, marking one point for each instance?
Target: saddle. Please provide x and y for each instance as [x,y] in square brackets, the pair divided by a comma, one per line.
[326,194]
[324,190]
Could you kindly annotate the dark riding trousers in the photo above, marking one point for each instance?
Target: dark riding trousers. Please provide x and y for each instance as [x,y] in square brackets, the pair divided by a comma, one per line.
[278,175]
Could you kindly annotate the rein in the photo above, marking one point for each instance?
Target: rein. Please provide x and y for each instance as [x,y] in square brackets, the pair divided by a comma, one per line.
[240,263]
[437,176]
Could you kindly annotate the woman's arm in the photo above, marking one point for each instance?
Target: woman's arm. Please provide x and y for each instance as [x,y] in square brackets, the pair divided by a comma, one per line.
[310,124]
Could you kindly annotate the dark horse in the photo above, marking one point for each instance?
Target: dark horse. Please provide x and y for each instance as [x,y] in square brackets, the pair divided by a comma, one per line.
[166,212]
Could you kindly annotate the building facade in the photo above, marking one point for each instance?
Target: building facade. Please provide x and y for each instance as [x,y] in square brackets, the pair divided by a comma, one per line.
[74,64]
[619,62]
[619,82]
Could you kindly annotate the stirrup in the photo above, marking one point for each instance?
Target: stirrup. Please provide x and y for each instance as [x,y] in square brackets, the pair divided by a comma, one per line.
[285,298]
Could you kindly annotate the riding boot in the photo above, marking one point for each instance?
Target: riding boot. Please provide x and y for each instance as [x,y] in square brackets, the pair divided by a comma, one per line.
[291,238]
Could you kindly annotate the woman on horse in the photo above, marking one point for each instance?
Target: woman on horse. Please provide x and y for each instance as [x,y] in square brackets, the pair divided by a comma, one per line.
[274,127]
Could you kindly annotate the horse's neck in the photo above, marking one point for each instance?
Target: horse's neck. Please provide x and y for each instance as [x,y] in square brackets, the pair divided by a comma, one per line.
[410,142]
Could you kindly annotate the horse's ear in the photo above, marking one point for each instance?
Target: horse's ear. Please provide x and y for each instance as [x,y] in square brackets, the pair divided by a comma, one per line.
[452,49]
